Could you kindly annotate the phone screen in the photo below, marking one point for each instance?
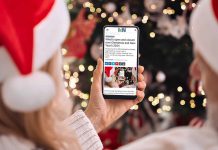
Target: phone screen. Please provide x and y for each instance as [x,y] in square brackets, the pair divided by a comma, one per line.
[120,61]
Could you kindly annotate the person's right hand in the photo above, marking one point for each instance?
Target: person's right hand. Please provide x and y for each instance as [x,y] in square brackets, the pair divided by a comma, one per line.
[103,112]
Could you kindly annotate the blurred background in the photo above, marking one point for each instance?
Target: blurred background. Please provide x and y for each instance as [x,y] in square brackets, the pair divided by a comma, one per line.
[172,97]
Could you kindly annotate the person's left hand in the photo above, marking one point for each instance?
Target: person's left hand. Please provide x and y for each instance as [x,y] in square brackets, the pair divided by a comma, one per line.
[103,112]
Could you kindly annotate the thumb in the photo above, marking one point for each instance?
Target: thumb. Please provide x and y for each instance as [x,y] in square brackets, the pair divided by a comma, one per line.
[97,75]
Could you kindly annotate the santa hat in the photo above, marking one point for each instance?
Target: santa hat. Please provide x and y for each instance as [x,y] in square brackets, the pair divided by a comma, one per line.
[31,32]
[204,31]
[109,71]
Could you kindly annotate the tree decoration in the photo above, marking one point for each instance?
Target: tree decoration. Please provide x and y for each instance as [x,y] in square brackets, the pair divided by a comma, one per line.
[154,6]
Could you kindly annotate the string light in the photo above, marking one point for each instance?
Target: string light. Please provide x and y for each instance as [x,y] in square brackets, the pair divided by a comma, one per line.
[192,104]
[91,79]
[86,4]
[72,79]
[86,96]
[72,84]
[166,108]
[169,11]
[182,102]
[192,101]
[200,88]
[81,68]
[159,110]
[76,80]
[150,98]
[115,14]
[67,75]
[98,10]
[66,67]
[81,95]
[193,95]
[160,95]
[66,84]
[179,89]
[134,16]
[103,15]
[167,98]
[123,8]
[92,9]
[145,19]
[110,19]
[153,6]
[90,68]
[75,92]
[183,6]
[202,92]
[70,6]
[135,107]
[193,5]
[156,101]
[90,16]
[84,104]
[152,35]
[204,104]
[75,74]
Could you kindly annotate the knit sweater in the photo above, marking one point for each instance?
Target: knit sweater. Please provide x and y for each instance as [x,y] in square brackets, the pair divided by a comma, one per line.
[78,122]
[182,138]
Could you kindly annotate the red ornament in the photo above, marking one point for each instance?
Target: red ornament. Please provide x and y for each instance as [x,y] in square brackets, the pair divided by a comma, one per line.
[81,30]
[110,139]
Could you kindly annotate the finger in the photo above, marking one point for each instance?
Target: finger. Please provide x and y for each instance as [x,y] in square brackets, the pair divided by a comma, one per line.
[199,124]
[140,96]
[140,77]
[141,86]
[140,69]
[97,74]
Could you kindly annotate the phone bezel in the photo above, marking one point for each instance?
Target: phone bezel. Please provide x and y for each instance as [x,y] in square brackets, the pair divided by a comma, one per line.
[121,96]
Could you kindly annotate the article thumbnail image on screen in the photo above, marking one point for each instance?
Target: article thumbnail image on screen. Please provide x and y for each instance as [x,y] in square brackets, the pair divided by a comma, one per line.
[120,77]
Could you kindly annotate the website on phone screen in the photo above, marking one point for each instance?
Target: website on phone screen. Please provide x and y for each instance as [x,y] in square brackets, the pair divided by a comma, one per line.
[120,61]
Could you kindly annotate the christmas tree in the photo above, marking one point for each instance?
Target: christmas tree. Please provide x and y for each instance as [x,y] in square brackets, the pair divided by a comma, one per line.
[172,97]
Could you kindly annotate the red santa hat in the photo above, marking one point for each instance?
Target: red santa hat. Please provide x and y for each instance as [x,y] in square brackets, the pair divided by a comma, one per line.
[204,31]
[109,71]
[31,32]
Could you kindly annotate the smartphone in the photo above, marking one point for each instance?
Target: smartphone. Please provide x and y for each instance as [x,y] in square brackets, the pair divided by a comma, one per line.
[120,57]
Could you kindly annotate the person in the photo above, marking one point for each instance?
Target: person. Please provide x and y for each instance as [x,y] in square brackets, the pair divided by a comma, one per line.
[38,129]
[34,110]
[204,68]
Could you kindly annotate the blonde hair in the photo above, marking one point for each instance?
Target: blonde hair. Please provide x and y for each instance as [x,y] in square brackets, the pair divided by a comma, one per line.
[42,127]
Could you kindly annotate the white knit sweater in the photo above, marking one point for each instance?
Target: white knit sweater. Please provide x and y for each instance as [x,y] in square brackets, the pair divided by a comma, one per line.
[78,122]
[183,138]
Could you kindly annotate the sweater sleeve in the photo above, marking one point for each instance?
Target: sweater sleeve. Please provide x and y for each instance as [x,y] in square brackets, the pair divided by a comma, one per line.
[84,130]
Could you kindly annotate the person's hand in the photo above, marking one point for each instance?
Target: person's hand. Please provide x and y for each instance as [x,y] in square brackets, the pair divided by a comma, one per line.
[103,112]
[196,122]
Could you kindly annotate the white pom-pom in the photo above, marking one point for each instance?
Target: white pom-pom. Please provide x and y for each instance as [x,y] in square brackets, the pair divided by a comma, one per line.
[28,93]
[161,77]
